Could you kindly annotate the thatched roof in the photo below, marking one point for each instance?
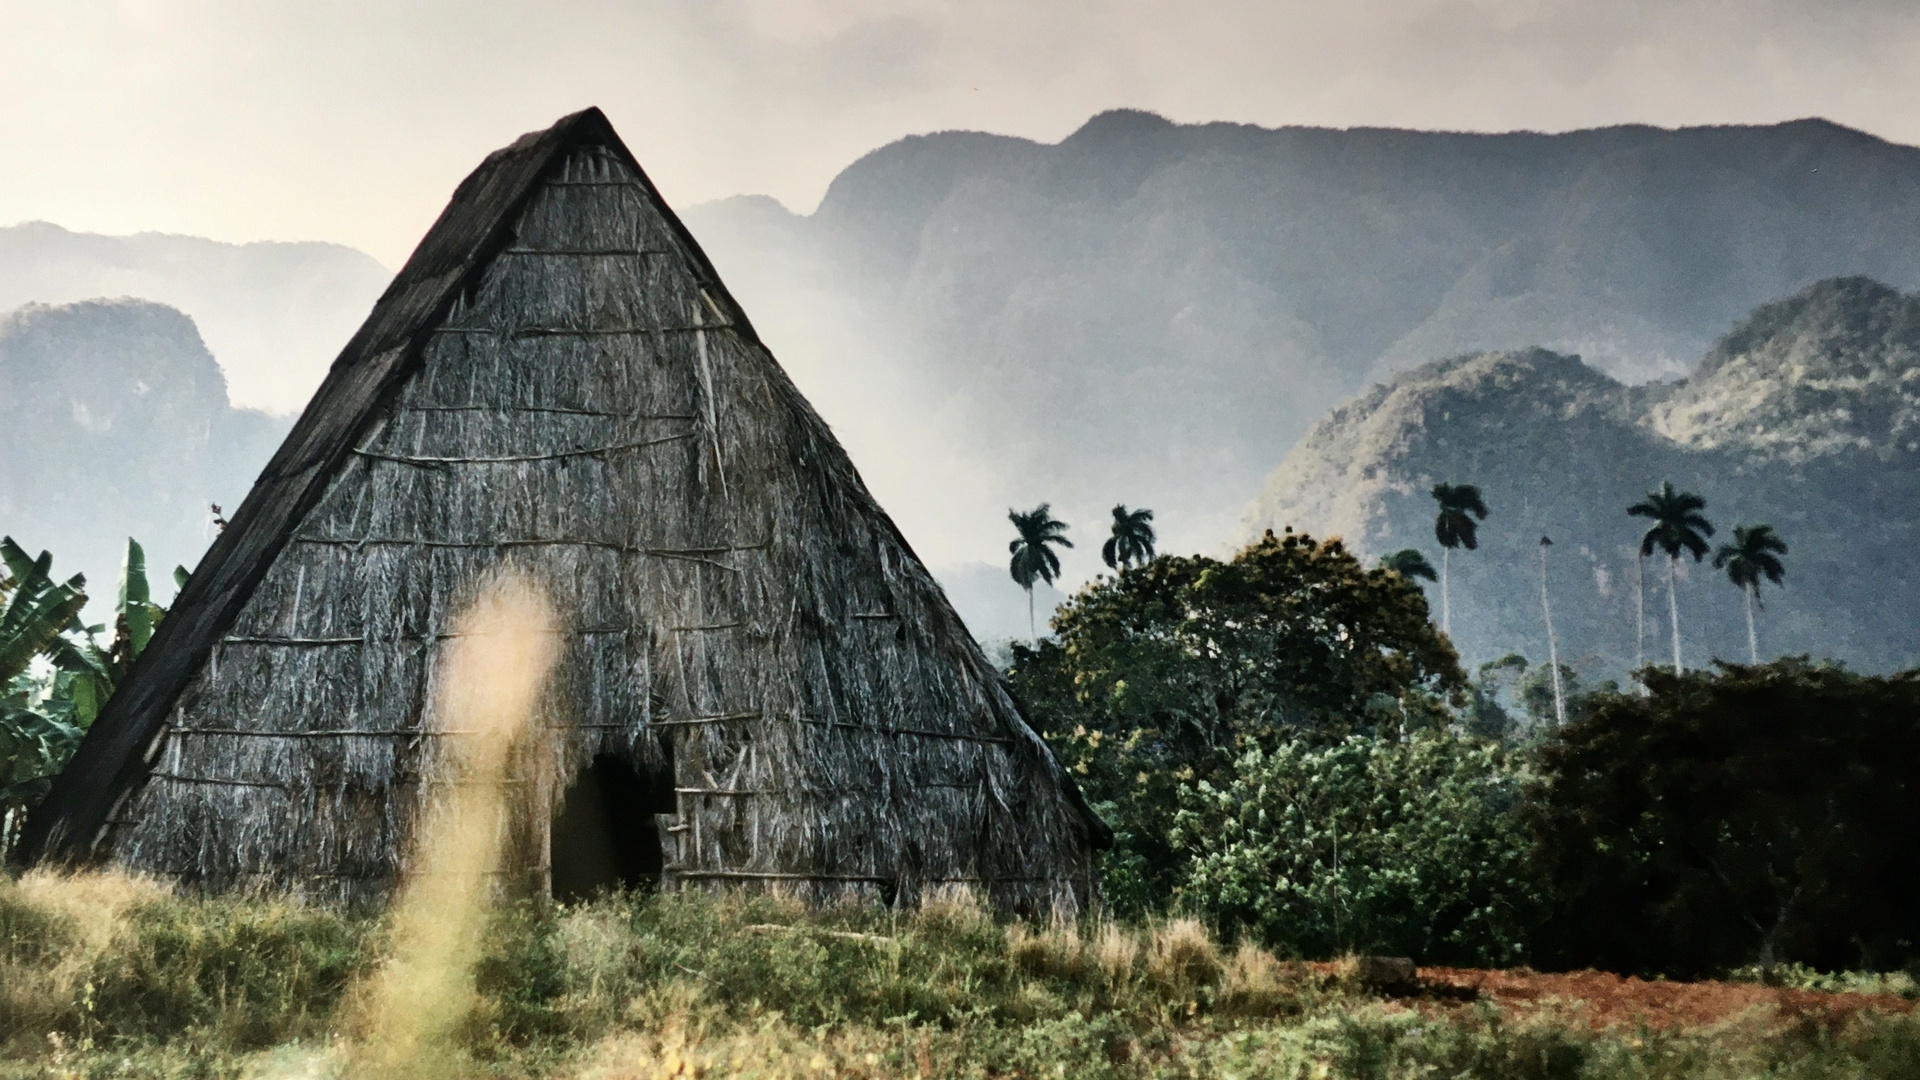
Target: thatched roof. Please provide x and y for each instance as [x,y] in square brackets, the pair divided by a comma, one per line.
[558,379]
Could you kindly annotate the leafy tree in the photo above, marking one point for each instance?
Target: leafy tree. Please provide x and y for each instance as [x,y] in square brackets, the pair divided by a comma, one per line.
[1409,564]
[1754,814]
[1132,539]
[1513,702]
[1678,525]
[1032,549]
[1166,675]
[1413,848]
[1494,697]
[1753,555]
[1457,525]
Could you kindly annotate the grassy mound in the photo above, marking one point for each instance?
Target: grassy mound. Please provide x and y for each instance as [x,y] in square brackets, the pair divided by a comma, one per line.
[104,976]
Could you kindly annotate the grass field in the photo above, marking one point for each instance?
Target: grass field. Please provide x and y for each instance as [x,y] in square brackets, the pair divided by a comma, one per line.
[105,976]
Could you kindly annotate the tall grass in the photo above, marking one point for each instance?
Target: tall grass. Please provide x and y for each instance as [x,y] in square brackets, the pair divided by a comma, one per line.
[406,1014]
[109,976]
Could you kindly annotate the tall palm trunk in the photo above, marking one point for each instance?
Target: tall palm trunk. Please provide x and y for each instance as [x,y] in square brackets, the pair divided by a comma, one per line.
[1673,608]
[1553,645]
[1446,600]
[1032,633]
[1753,639]
[1639,612]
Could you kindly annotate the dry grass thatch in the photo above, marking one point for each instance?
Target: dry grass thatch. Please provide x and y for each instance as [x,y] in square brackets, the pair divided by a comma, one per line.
[558,383]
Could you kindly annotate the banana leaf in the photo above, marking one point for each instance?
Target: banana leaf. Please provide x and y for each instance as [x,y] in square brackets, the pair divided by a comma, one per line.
[37,609]
[135,599]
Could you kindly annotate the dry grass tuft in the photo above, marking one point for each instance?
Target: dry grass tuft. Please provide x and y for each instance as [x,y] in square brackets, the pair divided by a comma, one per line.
[1182,957]
[1254,983]
[55,930]
[1053,952]
[1116,950]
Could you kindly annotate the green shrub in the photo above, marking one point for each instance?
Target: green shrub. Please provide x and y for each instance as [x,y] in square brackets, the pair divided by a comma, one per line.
[1412,848]
[1163,675]
[1751,815]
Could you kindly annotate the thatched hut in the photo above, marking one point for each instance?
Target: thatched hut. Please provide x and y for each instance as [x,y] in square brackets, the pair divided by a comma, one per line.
[760,683]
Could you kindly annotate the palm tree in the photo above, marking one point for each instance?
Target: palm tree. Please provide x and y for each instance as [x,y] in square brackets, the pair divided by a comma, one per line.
[1033,557]
[1678,525]
[1455,527]
[1753,555]
[1132,539]
[1553,645]
[1409,564]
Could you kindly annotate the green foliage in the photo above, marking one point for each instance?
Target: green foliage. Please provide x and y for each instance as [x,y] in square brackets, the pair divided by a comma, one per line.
[1411,848]
[1754,815]
[37,609]
[1461,510]
[115,960]
[1494,699]
[44,713]
[1410,564]
[110,977]
[1678,524]
[1753,556]
[1032,547]
[1511,701]
[39,722]
[1132,541]
[1165,675]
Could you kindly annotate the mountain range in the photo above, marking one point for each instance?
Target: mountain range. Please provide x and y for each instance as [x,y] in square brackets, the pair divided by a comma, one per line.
[1154,313]
[1806,416]
[1145,313]
[274,314]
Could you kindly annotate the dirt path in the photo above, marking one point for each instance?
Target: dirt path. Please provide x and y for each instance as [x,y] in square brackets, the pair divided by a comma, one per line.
[1606,1000]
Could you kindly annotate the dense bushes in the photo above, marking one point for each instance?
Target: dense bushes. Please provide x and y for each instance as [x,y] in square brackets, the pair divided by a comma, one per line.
[1411,848]
[1748,815]
[1163,676]
[1239,721]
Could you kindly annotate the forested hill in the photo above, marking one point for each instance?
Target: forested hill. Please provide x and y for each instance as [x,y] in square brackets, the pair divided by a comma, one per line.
[115,422]
[1154,313]
[1806,417]
[273,314]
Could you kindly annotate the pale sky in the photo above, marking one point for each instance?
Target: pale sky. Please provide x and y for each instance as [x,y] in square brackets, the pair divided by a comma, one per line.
[352,120]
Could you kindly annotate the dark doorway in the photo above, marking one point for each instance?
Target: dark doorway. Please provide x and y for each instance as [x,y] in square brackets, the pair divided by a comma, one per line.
[604,836]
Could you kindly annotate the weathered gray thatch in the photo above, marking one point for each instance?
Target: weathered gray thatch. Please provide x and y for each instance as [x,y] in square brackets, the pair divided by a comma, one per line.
[558,381]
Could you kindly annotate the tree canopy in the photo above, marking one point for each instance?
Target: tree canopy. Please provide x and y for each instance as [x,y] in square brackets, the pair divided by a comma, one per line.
[1132,540]
[1751,815]
[1461,510]
[1678,523]
[1167,673]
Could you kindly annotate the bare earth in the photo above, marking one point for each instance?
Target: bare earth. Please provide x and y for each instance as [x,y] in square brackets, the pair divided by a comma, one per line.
[1604,1000]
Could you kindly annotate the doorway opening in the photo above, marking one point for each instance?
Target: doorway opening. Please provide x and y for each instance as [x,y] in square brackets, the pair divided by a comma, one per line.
[604,836]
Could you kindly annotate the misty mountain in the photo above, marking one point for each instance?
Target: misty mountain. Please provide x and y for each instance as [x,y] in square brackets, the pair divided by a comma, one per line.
[274,314]
[115,422]
[1153,313]
[1806,417]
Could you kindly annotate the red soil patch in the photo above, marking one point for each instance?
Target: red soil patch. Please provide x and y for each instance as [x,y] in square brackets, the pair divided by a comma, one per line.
[1604,1000]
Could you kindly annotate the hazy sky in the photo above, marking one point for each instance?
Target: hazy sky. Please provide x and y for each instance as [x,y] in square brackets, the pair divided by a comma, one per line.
[352,120]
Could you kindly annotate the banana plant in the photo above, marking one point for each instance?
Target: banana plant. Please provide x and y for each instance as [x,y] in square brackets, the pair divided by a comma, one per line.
[37,726]
[44,715]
